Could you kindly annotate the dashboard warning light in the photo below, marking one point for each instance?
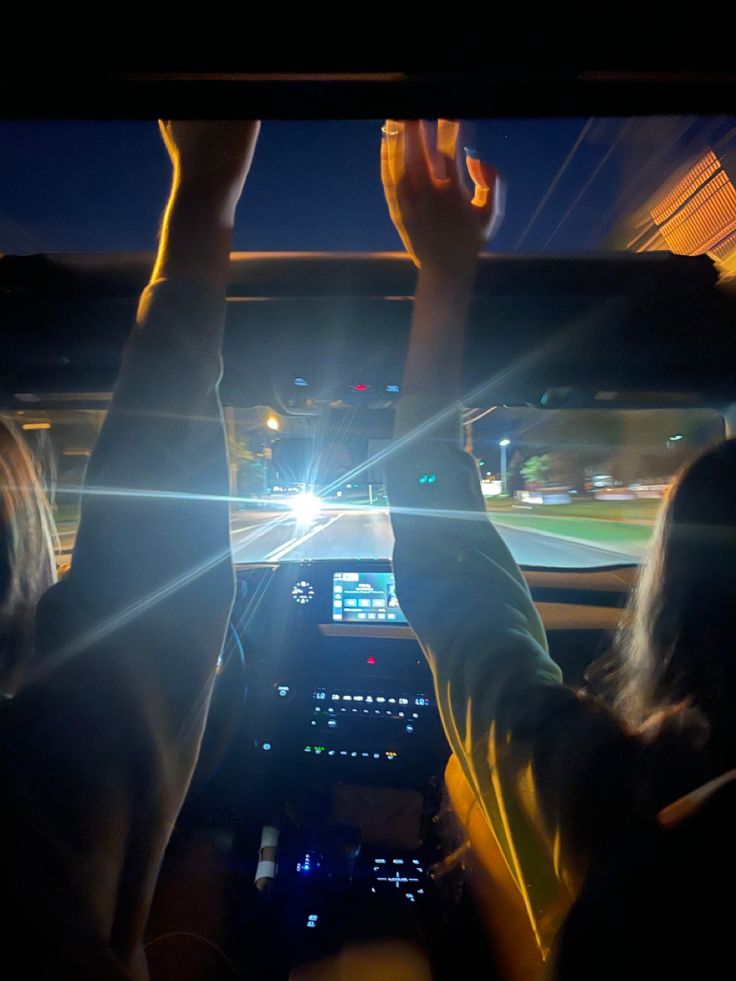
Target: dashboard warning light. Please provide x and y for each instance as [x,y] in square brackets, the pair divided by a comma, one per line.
[370,660]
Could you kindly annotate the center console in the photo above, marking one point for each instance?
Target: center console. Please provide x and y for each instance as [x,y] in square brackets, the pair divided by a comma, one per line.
[343,692]
[326,808]
[341,751]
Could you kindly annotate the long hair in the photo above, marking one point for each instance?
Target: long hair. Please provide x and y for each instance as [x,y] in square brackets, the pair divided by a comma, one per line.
[27,540]
[677,654]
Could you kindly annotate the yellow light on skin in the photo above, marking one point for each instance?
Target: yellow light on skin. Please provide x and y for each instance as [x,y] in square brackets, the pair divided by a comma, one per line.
[36,425]
[272,423]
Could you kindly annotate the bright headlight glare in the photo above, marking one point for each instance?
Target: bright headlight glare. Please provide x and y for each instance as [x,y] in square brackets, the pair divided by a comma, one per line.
[305,506]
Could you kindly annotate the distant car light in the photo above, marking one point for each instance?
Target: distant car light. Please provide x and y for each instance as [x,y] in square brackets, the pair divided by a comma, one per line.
[305,506]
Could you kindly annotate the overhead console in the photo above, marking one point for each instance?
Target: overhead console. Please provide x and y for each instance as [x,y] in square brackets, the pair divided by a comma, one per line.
[615,329]
[550,331]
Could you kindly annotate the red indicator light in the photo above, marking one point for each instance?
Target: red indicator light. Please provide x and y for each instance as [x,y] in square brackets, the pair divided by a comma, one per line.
[370,660]
[360,388]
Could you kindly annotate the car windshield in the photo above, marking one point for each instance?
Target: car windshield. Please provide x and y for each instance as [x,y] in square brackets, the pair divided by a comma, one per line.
[566,488]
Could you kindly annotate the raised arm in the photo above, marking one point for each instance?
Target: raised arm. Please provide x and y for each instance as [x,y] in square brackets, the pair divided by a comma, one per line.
[105,734]
[524,741]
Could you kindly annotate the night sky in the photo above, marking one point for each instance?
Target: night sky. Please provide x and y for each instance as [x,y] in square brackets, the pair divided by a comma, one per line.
[100,186]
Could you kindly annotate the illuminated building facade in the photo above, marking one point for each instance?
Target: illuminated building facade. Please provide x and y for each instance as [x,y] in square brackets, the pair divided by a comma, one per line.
[696,213]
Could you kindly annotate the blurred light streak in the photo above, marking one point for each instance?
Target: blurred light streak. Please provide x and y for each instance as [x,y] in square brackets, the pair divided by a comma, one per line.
[601,165]
[555,181]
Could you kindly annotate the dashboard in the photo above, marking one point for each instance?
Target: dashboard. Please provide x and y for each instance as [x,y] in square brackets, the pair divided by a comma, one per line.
[336,681]
[324,727]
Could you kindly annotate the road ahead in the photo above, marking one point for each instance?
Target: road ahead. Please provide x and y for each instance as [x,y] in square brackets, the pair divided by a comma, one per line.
[274,536]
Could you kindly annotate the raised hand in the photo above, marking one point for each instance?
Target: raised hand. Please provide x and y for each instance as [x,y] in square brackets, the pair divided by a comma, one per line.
[441,223]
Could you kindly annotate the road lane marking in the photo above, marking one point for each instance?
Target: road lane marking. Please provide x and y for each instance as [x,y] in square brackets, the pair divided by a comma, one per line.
[256,532]
[282,550]
[238,531]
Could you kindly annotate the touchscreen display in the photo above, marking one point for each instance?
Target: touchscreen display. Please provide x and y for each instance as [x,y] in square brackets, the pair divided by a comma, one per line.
[365,597]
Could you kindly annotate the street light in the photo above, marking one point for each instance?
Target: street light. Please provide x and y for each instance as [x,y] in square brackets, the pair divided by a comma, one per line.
[503,443]
[272,423]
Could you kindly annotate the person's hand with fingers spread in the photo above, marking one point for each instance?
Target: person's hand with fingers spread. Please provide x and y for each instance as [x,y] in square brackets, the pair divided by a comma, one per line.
[442,224]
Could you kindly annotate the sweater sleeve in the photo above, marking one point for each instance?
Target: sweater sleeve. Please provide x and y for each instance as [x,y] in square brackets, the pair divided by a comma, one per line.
[105,735]
[552,772]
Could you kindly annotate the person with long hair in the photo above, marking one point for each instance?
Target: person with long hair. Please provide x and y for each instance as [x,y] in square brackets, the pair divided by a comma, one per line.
[27,544]
[569,788]
[674,671]
[110,671]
